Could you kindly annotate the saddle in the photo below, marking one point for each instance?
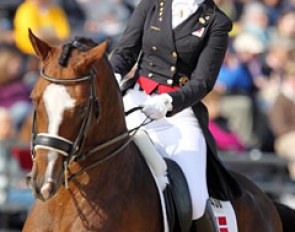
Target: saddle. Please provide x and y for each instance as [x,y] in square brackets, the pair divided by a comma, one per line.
[177,199]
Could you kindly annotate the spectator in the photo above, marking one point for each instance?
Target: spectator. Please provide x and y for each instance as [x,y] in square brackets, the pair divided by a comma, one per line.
[241,70]
[279,52]
[14,94]
[225,138]
[282,118]
[46,20]
[255,21]
[285,29]
[239,79]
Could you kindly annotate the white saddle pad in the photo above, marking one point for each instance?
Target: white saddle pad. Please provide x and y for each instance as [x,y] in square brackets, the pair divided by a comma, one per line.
[225,215]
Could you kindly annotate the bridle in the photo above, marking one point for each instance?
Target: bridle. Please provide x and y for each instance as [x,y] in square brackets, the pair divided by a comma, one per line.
[68,148]
[72,150]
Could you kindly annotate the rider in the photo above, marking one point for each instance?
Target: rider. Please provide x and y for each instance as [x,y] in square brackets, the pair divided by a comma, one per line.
[179,46]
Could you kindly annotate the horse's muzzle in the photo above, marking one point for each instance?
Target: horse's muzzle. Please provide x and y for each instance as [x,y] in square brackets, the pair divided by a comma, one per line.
[41,190]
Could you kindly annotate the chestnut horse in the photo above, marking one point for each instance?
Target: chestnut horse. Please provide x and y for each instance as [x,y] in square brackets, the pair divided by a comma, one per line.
[87,173]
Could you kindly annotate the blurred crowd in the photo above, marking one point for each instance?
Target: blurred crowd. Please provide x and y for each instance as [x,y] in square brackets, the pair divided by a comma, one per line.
[251,107]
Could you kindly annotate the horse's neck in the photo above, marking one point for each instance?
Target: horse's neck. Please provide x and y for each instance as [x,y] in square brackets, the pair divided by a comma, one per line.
[110,173]
[112,119]
[119,181]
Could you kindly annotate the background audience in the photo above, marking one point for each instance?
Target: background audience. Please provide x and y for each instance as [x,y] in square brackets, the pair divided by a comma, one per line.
[282,117]
[14,94]
[226,139]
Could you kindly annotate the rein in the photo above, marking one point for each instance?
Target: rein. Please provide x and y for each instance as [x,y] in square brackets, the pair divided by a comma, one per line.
[130,134]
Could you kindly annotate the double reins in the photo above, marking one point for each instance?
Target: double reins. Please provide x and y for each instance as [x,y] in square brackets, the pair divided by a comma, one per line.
[129,134]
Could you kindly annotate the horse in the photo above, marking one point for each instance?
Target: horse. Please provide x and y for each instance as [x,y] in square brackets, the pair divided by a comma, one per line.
[87,174]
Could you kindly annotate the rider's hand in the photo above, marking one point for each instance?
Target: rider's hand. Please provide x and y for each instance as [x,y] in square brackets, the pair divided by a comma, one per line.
[157,107]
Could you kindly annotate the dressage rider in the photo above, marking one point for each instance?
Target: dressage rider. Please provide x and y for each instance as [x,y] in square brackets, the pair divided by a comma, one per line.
[178,46]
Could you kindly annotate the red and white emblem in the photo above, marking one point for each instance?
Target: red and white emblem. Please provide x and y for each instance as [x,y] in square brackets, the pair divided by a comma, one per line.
[199,32]
[222,224]
[225,215]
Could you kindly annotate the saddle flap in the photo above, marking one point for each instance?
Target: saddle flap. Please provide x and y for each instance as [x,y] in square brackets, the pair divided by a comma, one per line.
[180,197]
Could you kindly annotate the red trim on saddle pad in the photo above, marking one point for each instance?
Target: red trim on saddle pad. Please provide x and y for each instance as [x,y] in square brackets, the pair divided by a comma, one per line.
[222,221]
[149,86]
[222,224]
[223,230]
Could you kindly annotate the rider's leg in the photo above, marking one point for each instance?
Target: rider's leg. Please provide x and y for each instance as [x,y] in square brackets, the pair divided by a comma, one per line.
[206,223]
[181,139]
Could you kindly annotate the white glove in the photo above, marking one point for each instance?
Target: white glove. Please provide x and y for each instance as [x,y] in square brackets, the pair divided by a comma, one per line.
[118,77]
[157,107]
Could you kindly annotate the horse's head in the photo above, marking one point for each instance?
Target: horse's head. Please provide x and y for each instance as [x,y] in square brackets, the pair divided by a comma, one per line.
[74,96]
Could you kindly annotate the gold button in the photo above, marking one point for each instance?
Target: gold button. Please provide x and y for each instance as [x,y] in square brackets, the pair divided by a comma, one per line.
[150,74]
[151,64]
[174,54]
[173,69]
[162,4]
[160,19]
[183,80]
[169,81]
[161,13]
[154,48]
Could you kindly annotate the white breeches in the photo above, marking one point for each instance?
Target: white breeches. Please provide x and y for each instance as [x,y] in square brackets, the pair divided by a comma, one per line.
[181,139]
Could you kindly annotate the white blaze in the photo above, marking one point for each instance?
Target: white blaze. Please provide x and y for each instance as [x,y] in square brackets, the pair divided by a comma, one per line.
[56,99]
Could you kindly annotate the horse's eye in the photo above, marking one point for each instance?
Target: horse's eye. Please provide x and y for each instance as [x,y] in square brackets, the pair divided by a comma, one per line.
[82,109]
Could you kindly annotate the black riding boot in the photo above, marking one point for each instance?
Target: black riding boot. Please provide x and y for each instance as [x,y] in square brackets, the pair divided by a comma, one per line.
[206,223]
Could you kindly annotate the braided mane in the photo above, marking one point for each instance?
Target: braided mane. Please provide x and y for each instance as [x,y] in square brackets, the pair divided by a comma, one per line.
[82,43]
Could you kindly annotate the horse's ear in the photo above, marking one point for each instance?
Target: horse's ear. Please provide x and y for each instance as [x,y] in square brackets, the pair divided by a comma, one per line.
[40,47]
[93,55]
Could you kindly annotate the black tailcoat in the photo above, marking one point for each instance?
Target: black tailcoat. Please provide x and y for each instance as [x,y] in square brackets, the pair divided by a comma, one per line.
[189,56]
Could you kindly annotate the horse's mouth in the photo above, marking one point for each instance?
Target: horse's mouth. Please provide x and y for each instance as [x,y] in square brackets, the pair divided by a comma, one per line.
[44,191]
